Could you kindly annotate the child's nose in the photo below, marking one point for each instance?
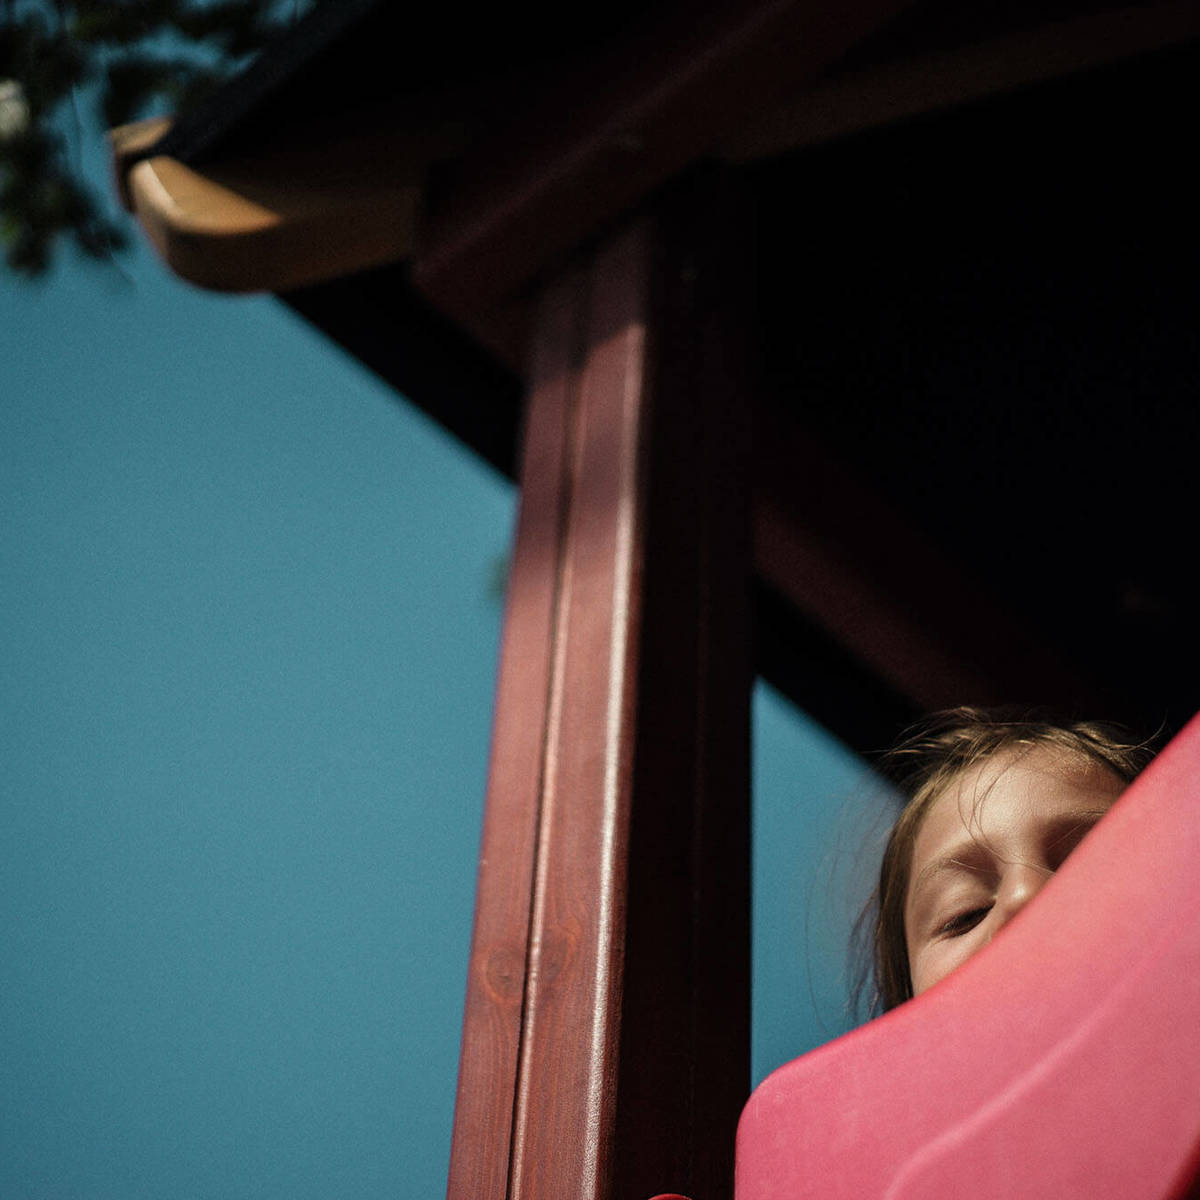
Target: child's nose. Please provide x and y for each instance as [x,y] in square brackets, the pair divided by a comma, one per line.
[1019,884]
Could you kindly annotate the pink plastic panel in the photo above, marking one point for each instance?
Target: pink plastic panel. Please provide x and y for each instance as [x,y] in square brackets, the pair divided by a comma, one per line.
[1062,1061]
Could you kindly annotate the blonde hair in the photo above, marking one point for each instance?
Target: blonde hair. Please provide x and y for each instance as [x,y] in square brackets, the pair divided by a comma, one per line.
[924,763]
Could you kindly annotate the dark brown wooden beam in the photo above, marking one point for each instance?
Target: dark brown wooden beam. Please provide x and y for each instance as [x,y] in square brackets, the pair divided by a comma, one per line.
[601,139]
[915,80]
[856,567]
[606,1036]
[486,1108]
[686,1022]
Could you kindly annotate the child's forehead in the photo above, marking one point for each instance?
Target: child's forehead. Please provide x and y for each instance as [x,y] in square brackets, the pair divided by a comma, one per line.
[1019,782]
[1027,760]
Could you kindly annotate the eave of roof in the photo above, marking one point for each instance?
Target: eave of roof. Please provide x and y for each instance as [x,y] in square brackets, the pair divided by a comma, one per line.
[366,136]
[462,360]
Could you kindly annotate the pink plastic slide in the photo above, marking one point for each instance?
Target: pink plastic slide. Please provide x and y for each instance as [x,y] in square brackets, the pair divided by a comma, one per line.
[1062,1061]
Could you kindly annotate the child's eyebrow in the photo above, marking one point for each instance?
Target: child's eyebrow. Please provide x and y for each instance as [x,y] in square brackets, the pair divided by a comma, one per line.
[1062,828]
[969,857]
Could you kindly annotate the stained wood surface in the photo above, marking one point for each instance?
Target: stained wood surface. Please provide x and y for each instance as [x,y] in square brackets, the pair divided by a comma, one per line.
[862,572]
[686,1026]
[281,219]
[902,85]
[606,1036]
[568,1080]
[499,962]
[601,139]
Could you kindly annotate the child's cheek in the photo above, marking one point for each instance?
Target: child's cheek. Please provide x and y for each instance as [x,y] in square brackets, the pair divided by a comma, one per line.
[940,957]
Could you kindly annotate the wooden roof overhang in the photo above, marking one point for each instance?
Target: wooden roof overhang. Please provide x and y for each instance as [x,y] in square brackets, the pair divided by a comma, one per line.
[885,308]
[431,187]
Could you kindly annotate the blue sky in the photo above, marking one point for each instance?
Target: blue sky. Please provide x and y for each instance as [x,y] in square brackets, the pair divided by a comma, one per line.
[248,654]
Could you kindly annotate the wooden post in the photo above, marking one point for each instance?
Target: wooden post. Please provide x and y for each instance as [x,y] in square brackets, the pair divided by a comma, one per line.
[606,1036]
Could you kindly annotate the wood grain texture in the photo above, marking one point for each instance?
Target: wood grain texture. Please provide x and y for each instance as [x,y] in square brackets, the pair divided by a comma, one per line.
[483,1127]
[613,1058]
[568,1087]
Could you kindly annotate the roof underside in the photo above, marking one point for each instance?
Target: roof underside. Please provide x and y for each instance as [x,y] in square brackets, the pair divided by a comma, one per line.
[987,314]
[992,316]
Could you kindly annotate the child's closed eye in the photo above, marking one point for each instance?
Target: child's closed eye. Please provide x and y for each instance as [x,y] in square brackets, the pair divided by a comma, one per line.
[964,922]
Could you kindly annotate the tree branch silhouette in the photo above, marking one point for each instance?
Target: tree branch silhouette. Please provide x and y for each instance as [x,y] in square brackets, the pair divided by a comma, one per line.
[128,58]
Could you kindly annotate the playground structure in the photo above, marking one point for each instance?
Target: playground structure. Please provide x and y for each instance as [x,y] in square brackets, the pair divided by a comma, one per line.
[849,344]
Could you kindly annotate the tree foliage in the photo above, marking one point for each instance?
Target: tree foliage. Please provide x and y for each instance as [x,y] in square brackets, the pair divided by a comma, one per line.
[124,58]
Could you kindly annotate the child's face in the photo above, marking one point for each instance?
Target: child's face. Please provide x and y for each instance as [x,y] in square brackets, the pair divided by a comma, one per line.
[989,843]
